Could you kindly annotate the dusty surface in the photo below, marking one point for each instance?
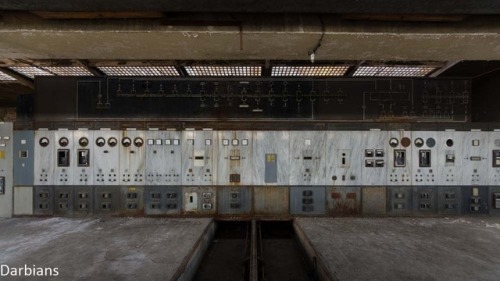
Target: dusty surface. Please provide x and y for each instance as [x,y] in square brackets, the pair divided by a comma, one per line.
[407,248]
[99,249]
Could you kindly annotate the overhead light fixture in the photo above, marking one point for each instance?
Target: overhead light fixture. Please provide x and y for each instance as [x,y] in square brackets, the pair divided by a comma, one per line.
[394,71]
[166,70]
[5,78]
[326,70]
[223,70]
[69,70]
[30,71]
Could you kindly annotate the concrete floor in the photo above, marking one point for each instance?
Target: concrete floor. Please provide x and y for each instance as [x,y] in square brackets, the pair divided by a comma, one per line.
[100,249]
[464,248]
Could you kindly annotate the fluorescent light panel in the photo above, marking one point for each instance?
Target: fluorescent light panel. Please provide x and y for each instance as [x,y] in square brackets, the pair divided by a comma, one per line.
[5,77]
[397,71]
[30,71]
[224,70]
[139,70]
[69,70]
[326,70]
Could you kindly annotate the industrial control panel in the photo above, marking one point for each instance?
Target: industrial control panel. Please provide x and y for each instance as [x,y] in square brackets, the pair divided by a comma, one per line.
[199,149]
[307,157]
[235,158]
[271,158]
[6,169]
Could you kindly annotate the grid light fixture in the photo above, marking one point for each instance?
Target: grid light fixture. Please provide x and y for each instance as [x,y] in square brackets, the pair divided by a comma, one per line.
[223,70]
[394,70]
[6,78]
[69,70]
[30,71]
[166,70]
[325,70]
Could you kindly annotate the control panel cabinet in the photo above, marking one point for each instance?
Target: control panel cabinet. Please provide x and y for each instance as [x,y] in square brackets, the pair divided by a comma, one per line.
[449,157]
[199,149]
[308,158]
[476,158]
[234,158]
[106,157]
[163,158]
[374,158]
[63,170]
[6,169]
[271,157]
[345,157]
[44,157]
[399,154]
[132,157]
[82,159]
[425,146]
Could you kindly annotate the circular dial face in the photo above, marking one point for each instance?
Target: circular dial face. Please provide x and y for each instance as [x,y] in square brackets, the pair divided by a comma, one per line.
[405,142]
[393,142]
[83,141]
[63,142]
[100,142]
[138,142]
[449,142]
[112,142]
[430,142]
[44,142]
[126,142]
[419,142]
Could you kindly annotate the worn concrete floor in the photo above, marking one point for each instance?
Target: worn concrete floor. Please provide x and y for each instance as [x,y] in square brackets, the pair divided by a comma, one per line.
[465,248]
[99,249]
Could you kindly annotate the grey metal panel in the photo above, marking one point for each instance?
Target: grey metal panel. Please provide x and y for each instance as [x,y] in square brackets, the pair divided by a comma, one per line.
[162,200]
[373,201]
[307,200]
[343,200]
[132,200]
[399,164]
[199,200]
[24,153]
[493,173]
[425,199]
[450,158]
[344,153]
[494,202]
[425,146]
[106,158]
[82,158]
[84,200]
[199,149]
[63,156]
[6,169]
[475,200]
[234,158]
[64,200]
[399,200]
[132,158]
[234,200]
[308,158]
[477,158]
[163,158]
[271,142]
[107,200]
[44,158]
[23,200]
[374,174]
[43,200]
[450,200]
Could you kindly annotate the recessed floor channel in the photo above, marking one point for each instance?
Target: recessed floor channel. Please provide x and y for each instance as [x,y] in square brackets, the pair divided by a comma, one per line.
[276,253]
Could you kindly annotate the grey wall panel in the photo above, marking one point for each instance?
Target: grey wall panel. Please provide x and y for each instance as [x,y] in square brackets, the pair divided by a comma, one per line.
[82,157]
[132,200]
[425,146]
[132,157]
[493,173]
[63,156]
[24,155]
[308,157]
[399,200]
[199,200]
[475,200]
[6,169]
[425,200]
[163,158]
[344,152]
[271,150]
[450,158]
[84,200]
[374,166]
[234,162]
[107,200]
[373,201]
[450,200]
[399,156]
[64,200]
[44,157]
[494,202]
[106,157]
[199,149]
[162,200]
[307,200]
[476,157]
[234,200]
[43,200]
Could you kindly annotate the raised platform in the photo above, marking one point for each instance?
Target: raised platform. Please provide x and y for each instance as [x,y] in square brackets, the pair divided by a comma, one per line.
[106,249]
[459,248]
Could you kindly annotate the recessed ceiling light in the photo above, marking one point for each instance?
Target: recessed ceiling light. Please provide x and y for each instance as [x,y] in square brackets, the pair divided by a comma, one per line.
[327,70]
[139,70]
[224,70]
[395,71]
[69,70]
[30,71]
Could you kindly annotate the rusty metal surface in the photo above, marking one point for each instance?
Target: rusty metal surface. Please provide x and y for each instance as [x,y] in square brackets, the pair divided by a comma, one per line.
[343,201]
[271,201]
[374,201]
